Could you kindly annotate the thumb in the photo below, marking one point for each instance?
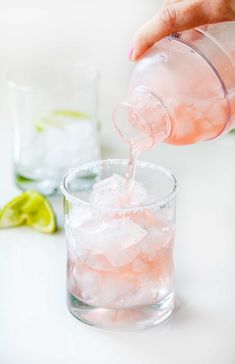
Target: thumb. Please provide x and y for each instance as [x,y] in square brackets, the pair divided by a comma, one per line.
[177,17]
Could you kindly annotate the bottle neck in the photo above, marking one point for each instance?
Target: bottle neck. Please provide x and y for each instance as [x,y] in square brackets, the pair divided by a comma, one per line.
[142,119]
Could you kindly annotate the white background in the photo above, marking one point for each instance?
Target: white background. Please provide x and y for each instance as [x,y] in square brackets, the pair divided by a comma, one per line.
[100,31]
[35,326]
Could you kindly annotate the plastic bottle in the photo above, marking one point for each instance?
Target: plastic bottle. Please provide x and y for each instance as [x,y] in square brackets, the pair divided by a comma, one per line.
[183,90]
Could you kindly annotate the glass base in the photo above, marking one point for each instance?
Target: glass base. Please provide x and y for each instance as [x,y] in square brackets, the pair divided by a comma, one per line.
[47,187]
[122,319]
[51,186]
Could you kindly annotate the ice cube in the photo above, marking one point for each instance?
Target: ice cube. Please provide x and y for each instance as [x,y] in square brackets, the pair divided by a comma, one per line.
[49,153]
[100,289]
[78,215]
[186,130]
[89,283]
[145,217]
[162,219]
[165,217]
[97,262]
[123,257]
[71,240]
[109,237]
[146,295]
[139,266]
[155,241]
[86,282]
[55,149]
[144,292]
[83,142]
[113,192]
[114,287]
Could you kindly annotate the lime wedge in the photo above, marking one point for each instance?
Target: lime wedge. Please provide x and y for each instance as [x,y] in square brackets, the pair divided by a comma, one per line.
[71,114]
[39,212]
[30,208]
[58,118]
[12,214]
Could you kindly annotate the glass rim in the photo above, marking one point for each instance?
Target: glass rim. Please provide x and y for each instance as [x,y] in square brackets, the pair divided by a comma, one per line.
[160,202]
[21,86]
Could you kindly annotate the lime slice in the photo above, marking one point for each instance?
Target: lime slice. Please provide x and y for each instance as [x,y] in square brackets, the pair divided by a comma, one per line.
[12,214]
[58,118]
[39,212]
[30,208]
[71,114]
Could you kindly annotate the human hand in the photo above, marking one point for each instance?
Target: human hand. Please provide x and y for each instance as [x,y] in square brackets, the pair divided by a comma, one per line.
[177,16]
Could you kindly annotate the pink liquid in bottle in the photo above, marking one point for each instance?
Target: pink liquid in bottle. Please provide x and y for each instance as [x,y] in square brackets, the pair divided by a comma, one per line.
[182,91]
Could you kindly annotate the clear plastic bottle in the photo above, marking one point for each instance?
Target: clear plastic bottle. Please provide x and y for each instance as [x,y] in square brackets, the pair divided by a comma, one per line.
[183,90]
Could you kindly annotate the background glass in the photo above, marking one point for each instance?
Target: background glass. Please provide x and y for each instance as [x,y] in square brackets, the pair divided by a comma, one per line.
[54,113]
[120,264]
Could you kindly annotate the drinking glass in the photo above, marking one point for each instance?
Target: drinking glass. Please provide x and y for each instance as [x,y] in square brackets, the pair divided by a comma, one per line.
[120,260]
[54,114]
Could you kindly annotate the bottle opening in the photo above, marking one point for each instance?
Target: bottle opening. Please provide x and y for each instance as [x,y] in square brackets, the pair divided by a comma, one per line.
[142,120]
[133,127]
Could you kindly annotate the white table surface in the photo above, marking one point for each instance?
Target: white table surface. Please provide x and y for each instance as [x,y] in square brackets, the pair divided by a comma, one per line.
[35,326]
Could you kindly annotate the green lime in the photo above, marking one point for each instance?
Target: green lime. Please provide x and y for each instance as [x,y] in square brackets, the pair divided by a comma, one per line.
[39,212]
[12,214]
[71,114]
[58,118]
[30,208]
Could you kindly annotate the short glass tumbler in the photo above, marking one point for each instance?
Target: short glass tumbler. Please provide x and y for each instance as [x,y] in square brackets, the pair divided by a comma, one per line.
[120,260]
[54,114]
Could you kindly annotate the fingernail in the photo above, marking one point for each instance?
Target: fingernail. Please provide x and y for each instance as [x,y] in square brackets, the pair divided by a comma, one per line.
[130,53]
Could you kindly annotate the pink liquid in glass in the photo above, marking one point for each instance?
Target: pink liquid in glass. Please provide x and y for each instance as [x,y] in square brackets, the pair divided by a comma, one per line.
[124,258]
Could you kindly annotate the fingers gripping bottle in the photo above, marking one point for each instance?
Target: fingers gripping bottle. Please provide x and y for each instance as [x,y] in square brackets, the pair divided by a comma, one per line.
[183,90]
